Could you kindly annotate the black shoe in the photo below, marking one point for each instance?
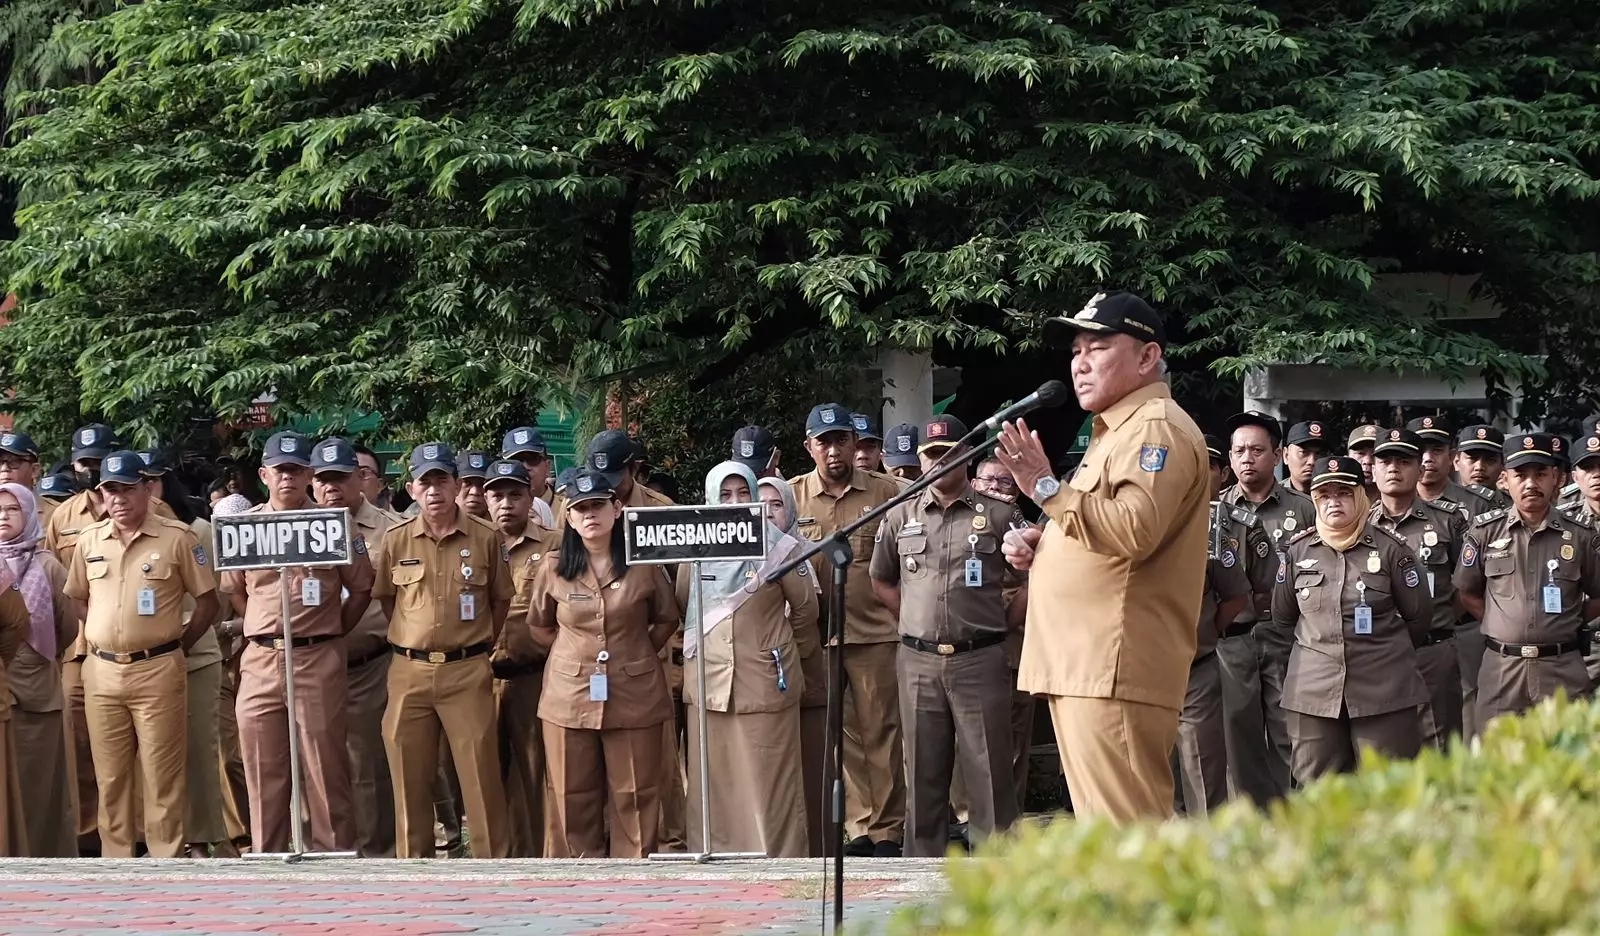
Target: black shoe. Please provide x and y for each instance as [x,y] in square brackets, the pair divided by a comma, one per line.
[958,832]
[861,847]
[886,850]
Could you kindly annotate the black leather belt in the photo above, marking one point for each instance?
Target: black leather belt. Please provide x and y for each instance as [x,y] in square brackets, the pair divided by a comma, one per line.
[276,643]
[360,661]
[1238,629]
[511,669]
[137,656]
[1531,651]
[443,656]
[1438,636]
[951,649]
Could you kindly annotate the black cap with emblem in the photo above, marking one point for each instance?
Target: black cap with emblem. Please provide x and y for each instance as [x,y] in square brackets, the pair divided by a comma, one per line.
[900,445]
[753,446]
[1115,312]
[508,471]
[473,465]
[1431,429]
[1531,448]
[587,485]
[121,468]
[1481,437]
[432,456]
[1214,449]
[19,443]
[334,456]
[1311,434]
[1588,445]
[287,448]
[1338,470]
[1397,443]
[1255,418]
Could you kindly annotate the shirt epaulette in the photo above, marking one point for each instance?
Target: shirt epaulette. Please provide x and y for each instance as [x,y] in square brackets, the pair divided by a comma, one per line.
[1391,534]
[1578,521]
[1484,519]
[1308,531]
[1445,503]
[1486,493]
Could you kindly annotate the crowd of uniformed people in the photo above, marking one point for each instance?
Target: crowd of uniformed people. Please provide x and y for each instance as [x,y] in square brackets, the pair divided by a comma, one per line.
[488,675]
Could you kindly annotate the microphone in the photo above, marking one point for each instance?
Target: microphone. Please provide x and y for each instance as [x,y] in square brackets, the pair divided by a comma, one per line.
[1053,393]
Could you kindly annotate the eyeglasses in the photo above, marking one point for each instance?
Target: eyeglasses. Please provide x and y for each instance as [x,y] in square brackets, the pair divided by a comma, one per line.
[997,480]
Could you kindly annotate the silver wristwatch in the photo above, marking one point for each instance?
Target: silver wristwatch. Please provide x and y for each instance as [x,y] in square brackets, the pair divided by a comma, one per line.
[1045,488]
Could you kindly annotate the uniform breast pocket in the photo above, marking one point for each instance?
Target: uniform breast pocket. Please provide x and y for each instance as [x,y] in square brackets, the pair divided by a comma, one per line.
[913,557]
[1500,568]
[809,528]
[1308,592]
[408,586]
[97,573]
[1379,592]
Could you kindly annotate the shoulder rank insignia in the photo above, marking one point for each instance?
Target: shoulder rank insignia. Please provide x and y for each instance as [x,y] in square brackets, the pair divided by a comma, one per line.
[1303,534]
[1396,537]
[1484,519]
[1578,520]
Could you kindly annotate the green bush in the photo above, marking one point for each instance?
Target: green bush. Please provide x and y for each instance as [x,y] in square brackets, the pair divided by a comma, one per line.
[1498,838]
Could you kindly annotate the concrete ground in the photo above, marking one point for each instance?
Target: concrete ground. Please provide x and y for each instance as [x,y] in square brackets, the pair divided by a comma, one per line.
[420,898]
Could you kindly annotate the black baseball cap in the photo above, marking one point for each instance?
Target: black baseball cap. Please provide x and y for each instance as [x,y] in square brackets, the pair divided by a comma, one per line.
[828,417]
[1402,442]
[334,456]
[523,440]
[93,441]
[1341,469]
[1531,448]
[19,443]
[1559,447]
[900,446]
[753,447]
[432,456]
[472,464]
[59,484]
[1255,418]
[1479,438]
[866,426]
[121,467]
[1117,311]
[1588,448]
[564,479]
[1365,434]
[155,463]
[508,471]
[287,448]
[1431,429]
[1313,433]
[609,452]
[941,433]
[1214,446]
[589,485]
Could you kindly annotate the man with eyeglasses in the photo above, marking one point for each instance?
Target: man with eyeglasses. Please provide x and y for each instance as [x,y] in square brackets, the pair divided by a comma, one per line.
[19,464]
[526,444]
[994,480]
[369,472]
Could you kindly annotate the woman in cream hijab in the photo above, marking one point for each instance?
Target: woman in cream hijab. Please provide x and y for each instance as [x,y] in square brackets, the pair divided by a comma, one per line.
[755,636]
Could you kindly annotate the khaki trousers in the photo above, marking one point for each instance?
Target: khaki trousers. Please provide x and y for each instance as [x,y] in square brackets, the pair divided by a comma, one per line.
[453,701]
[202,815]
[1334,745]
[605,789]
[674,832]
[141,706]
[753,760]
[1440,666]
[88,793]
[235,792]
[44,782]
[874,769]
[13,827]
[1202,754]
[522,761]
[1116,756]
[264,725]
[371,787]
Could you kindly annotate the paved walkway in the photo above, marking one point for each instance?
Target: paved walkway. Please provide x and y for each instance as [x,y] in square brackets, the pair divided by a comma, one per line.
[414,898]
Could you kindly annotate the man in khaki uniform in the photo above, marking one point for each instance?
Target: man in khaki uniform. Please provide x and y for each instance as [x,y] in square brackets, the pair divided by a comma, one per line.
[1532,576]
[337,482]
[443,582]
[19,464]
[829,498]
[320,615]
[131,572]
[937,566]
[1479,465]
[472,470]
[519,672]
[526,444]
[1119,570]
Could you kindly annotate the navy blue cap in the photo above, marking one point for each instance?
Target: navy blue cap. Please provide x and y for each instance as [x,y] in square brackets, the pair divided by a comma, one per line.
[509,470]
[334,455]
[287,448]
[155,463]
[589,485]
[121,467]
[432,456]
[752,448]
[609,453]
[564,479]
[58,485]
[900,446]
[523,440]
[866,427]
[828,417]
[93,441]
[19,443]
[472,464]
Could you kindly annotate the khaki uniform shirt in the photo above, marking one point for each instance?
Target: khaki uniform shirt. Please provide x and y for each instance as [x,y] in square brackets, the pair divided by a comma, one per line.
[1435,534]
[371,633]
[1117,580]
[428,580]
[1508,563]
[1332,668]
[523,558]
[741,673]
[163,556]
[924,548]
[263,593]
[629,619]
[867,620]
[70,518]
[206,651]
[1226,579]
[36,681]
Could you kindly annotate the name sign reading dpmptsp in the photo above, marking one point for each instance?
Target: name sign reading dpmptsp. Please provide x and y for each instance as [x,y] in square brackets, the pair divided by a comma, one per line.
[268,540]
[713,533]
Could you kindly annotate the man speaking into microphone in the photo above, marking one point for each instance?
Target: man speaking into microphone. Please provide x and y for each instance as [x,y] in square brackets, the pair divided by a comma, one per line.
[1117,572]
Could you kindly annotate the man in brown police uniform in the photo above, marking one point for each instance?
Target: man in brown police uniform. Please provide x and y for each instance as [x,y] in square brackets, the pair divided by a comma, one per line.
[1532,576]
[828,499]
[518,671]
[1119,570]
[1479,463]
[1434,530]
[1362,440]
[443,582]
[337,482]
[937,566]
[1434,483]
[1301,447]
[130,573]
[325,604]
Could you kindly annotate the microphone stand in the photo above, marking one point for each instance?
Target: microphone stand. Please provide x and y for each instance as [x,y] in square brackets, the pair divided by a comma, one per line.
[836,549]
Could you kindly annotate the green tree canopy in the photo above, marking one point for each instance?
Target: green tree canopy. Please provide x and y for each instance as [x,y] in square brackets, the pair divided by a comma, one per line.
[447,209]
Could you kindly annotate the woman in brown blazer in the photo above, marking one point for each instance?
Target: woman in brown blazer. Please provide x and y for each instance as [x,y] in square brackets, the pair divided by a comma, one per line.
[1351,593]
[756,636]
[36,628]
[605,696]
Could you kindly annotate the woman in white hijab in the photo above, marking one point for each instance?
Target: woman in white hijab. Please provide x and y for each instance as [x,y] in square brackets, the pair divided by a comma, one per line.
[756,635]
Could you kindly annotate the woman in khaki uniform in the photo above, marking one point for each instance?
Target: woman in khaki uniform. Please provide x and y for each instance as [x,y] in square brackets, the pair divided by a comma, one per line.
[38,709]
[605,694]
[756,636]
[1351,592]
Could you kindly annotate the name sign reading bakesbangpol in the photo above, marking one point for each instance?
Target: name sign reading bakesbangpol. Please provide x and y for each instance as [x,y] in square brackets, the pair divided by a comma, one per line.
[713,533]
[270,540]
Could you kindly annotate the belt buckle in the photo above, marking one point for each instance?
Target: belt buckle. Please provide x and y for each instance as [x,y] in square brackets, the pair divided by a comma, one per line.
[123,657]
[946,649]
[1530,652]
[277,644]
[435,656]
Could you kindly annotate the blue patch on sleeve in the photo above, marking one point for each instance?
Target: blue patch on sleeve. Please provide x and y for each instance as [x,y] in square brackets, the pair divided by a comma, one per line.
[200,556]
[1152,457]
